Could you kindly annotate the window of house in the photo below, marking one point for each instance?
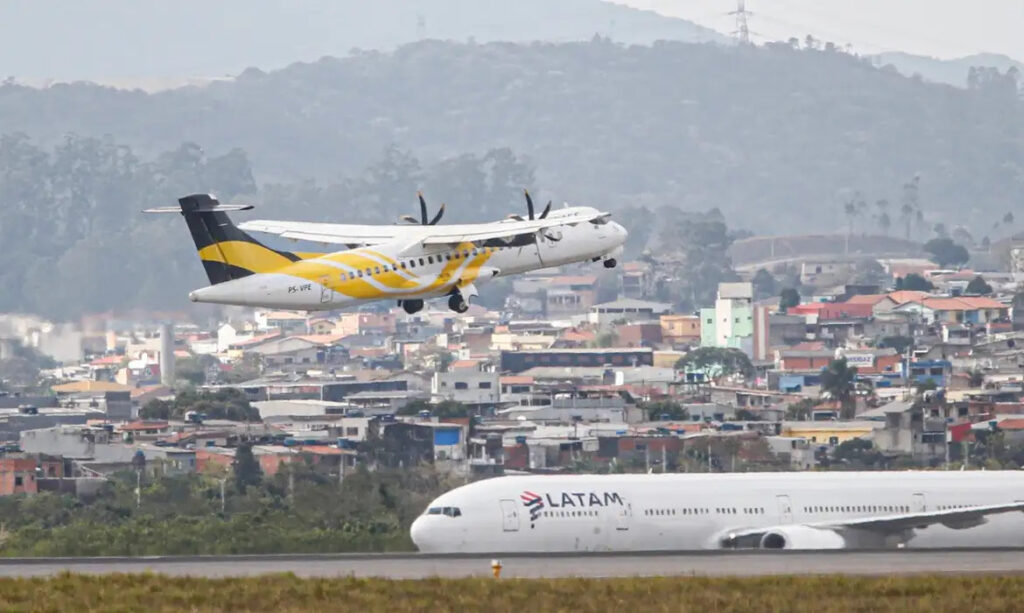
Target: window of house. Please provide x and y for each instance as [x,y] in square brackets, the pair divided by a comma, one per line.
[485,385]
[19,481]
[461,385]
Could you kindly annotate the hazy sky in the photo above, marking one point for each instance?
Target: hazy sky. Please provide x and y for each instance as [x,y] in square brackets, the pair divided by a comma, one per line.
[941,28]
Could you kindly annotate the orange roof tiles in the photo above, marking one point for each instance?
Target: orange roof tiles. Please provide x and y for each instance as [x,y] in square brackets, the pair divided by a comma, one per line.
[1012,424]
[90,386]
[906,295]
[871,299]
[515,380]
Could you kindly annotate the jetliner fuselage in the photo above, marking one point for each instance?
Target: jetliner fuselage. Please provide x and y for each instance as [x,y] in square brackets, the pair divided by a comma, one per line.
[733,510]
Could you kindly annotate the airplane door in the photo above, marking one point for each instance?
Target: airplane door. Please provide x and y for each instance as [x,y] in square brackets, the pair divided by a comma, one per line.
[917,504]
[785,509]
[509,516]
[326,293]
[624,517]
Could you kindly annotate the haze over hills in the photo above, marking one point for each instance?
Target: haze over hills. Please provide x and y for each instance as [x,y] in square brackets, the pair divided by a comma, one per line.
[125,41]
[778,139]
[952,72]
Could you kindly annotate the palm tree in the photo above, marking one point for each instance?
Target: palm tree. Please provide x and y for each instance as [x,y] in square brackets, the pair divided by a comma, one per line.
[838,381]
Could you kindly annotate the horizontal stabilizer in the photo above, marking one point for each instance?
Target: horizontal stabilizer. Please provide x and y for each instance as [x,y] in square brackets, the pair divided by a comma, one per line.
[219,208]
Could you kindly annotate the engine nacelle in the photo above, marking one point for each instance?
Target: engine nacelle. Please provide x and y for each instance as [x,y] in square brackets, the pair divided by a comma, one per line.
[802,537]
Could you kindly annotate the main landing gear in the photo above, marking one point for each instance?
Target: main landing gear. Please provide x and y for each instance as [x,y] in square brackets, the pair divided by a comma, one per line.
[457,303]
[411,306]
[610,263]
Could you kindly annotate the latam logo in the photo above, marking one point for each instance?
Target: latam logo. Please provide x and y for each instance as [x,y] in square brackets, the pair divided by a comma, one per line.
[534,503]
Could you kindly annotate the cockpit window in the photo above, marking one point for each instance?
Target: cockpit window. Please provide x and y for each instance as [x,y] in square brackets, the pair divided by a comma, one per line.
[449,511]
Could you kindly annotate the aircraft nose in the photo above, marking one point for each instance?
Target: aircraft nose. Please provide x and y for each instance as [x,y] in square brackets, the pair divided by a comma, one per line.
[418,533]
[620,231]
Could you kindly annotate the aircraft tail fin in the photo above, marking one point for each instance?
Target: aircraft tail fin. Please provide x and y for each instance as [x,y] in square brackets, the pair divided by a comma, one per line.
[227,253]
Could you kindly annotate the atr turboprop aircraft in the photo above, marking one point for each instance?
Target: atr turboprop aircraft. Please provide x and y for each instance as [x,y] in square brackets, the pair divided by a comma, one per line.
[408,263]
[812,510]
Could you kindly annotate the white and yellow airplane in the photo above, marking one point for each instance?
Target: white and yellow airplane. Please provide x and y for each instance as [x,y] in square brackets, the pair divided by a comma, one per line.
[404,263]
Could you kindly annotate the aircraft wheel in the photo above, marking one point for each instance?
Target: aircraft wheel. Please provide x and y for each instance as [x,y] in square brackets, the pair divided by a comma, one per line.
[412,306]
[457,303]
[610,263]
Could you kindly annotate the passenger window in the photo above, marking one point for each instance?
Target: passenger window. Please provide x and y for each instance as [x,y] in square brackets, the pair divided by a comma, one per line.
[376,270]
[402,265]
[430,259]
[360,274]
[448,256]
[421,262]
[465,253]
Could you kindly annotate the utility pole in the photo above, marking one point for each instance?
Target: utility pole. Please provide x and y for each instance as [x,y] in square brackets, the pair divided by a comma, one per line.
[742,31]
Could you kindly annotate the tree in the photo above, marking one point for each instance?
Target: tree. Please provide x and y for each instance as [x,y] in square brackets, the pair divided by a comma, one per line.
[869,272]
[764,284]
[662,410]
[246,468]
[838,380]
[716,362]
[946,253]
[788,298]
[800,410]
[978,285]
[899,343]
[914,282]
[227,403]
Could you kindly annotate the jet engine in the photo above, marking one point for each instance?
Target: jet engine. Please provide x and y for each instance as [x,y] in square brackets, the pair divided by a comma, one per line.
[801,537]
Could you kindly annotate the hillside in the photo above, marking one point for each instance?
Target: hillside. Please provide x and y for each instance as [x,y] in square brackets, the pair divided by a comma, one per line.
[951,72]
[780,140]
[132,41]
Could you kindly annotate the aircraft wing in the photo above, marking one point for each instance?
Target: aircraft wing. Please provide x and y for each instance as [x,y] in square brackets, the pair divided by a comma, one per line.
[342,234]
[964,517]
[350,234]
[508,229]
[830,534]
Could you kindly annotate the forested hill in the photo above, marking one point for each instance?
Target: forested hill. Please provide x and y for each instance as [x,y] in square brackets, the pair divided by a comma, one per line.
[774,136]
[122,40]
[781,140]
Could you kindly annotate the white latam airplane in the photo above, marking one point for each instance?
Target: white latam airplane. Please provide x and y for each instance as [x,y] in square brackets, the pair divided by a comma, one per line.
[405,263]
[837,510]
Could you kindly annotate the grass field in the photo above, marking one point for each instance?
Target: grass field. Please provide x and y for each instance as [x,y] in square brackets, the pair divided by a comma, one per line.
[280,593]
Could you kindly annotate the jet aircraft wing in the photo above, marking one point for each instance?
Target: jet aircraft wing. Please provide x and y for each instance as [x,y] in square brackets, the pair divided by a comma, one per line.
[963,517]
[957,518]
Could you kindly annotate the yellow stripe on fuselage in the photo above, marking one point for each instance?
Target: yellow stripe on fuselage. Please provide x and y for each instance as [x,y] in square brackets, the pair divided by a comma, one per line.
[250,256]
[323,270]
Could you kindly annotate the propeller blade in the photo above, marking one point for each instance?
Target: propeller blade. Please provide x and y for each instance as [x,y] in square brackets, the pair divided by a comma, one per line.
[547,209]
[529,203]
[423,208]
[437,218]
[410,219]
[515,217]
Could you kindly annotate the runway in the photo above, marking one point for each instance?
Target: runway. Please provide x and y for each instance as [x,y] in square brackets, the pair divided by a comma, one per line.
[416,566]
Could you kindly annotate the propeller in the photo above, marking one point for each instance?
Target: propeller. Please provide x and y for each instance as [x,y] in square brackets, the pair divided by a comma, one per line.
[423,214]
[529,209]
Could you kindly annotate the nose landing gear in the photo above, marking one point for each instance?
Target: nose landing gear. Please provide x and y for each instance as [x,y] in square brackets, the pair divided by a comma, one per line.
[610,263]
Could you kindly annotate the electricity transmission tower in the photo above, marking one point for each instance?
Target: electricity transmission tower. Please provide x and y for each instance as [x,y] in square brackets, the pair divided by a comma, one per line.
[742,31]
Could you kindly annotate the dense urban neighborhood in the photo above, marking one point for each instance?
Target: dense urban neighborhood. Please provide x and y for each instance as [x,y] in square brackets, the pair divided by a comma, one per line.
[363,416]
